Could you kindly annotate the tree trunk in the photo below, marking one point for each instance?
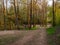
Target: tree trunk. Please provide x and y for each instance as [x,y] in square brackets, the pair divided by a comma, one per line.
[30,14]
[15,9]
[4,14]
[53,15]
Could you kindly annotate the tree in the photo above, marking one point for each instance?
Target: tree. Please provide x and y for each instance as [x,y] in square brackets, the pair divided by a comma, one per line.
[43,12]
[53,14]
[57,12]
[15,9]
[3,10]
[30,14]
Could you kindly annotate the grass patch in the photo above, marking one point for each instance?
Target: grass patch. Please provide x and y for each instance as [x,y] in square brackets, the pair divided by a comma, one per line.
[51,31]
[52,35]
[33,28]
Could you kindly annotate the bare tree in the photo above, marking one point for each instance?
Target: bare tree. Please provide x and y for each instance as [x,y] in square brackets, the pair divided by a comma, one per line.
[3,9]
[15,9]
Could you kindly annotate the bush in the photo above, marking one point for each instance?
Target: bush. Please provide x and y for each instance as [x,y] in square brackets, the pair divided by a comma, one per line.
[51,31]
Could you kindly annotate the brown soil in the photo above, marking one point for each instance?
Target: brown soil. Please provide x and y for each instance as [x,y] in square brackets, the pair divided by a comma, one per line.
[35,37]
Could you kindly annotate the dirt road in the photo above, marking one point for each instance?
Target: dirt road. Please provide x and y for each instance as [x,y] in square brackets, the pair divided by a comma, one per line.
[36,37]
[32,37]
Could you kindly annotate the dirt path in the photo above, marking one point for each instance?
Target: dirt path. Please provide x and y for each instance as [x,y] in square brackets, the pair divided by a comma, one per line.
[35,37]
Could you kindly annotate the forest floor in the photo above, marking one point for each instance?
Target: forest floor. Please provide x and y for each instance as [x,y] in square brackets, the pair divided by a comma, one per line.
[57,36]
[25,37]
[54,35]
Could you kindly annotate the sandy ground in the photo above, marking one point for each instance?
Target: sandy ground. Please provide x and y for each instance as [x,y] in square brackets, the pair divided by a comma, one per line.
[35,37]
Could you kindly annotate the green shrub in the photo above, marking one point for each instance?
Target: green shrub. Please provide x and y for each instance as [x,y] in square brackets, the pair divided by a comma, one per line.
[51,31]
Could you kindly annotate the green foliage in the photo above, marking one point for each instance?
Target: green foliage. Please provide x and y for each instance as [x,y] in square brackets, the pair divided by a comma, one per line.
[57,13]
[51,31]
[49,18]
[33,28]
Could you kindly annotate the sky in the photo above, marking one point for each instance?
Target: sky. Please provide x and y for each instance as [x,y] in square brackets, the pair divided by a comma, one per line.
[49,3]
